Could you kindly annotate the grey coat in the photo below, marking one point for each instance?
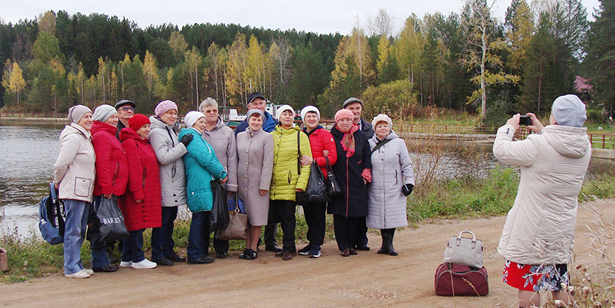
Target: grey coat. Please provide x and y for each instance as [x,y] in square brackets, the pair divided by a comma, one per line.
[255,152]
[169,152]
[222,139]
[391,169]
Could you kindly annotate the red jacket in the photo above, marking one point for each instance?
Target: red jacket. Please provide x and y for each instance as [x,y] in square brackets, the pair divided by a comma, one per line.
[111,163]
[320,140]
[143,184]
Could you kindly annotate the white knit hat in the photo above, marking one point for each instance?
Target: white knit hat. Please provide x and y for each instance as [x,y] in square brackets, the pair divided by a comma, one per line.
[307,109]
[191,118]
[382,118]
[284,108]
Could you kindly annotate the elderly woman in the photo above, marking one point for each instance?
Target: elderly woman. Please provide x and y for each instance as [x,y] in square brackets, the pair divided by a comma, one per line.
[222,139]
[289,176]
[323,149]
[201,167]
[169,152]
[255,151]
[353,172]
[538,235]
[73,174]
[111,173]
[141,205]
[392,181]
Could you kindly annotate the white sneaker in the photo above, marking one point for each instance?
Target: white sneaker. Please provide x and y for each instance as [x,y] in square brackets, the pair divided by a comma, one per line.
[126,264]
[145,264]
[89,271]
[80,274]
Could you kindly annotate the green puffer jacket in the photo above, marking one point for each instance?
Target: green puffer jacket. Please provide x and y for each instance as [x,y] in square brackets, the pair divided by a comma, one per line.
[286,176]
[202,166]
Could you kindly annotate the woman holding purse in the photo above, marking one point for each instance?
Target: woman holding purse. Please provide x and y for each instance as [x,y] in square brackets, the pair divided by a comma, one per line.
[73,175]
[111,173]
[323,149]
[141,205]
[353,172]
[392,181]
[255,152]
[201,167]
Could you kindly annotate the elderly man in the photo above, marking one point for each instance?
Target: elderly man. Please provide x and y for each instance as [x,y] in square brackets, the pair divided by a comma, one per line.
[125,111]
[538,235]
[257,100]
[356,106]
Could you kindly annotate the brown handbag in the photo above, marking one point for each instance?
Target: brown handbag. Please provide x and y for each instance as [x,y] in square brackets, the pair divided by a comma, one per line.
[4,261]
[237,226]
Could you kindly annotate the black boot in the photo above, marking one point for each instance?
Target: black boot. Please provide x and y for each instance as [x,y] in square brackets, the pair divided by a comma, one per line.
[391,233]
[384,249]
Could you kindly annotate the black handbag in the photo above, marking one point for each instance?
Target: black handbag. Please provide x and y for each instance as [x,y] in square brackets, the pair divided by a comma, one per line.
[333,188]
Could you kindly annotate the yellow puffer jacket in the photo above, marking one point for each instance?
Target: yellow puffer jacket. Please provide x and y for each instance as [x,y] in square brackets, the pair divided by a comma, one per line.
[285,177]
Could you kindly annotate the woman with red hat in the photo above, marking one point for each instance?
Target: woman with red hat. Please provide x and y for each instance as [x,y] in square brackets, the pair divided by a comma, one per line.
[141,205]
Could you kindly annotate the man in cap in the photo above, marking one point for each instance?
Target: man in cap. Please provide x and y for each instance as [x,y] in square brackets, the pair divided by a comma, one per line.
[256,100]
[125,111]
[356,106]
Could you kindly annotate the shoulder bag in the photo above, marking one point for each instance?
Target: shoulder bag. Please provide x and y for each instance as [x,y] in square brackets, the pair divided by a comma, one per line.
[333,188]
[237,226]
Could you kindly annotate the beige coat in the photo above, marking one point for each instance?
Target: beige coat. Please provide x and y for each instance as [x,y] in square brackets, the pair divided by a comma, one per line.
[255,152]
[539,228]
[75,169]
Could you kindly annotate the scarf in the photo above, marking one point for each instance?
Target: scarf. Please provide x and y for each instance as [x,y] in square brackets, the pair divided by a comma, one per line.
[348,140]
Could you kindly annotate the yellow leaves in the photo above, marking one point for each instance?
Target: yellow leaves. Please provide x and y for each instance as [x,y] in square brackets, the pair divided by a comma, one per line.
[12,78]
[150,71]
[178,44]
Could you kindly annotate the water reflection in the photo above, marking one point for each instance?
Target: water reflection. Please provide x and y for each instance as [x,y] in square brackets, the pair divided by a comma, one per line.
[27,154]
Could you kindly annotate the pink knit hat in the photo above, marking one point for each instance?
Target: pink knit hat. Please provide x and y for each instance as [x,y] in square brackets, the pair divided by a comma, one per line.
[343,114]
[164,106]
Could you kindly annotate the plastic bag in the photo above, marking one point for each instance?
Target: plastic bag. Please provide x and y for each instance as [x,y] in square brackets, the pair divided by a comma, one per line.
[112,226]
[219,217]
[316,190]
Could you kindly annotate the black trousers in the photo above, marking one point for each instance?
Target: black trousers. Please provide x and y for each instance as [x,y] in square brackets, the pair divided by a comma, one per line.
[283,211]
[361,232]
[345,230]
[271,233]
[315,217]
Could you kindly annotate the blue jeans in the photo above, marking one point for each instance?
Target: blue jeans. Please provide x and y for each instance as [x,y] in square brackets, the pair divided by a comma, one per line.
[99,253]
[162,238]
[199,229]
[133,247]
[74,233]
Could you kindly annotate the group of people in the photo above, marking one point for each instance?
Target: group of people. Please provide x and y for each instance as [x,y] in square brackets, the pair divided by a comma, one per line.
[151,169]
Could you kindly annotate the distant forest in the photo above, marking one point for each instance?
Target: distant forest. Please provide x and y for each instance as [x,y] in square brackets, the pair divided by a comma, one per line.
[465,61]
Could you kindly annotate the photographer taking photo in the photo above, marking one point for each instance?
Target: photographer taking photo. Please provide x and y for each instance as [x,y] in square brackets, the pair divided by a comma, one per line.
[538,236]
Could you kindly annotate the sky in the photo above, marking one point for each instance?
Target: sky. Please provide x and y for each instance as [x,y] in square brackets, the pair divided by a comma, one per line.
[320,16]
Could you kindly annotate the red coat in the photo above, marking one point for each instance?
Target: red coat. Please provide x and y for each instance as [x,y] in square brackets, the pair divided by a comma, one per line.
[320,140]
[143,184]
[111,163]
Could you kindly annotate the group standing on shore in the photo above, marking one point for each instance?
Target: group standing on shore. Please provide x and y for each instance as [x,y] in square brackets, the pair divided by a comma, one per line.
[150,170]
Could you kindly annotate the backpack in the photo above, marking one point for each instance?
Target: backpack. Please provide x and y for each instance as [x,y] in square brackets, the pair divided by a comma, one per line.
[51,217]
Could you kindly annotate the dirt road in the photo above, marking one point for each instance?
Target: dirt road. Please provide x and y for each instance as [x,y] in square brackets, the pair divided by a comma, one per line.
[365,280]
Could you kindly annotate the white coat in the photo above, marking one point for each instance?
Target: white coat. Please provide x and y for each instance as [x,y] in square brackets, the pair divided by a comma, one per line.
[391,169]
[540,226]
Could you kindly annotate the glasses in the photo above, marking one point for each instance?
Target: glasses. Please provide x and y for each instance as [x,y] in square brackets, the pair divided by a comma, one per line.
[127,109]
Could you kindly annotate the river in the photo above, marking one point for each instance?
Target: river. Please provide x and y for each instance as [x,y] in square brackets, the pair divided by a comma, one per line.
[28,152]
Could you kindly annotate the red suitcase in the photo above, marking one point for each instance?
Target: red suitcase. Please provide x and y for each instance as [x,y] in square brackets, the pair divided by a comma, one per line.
[461,280]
